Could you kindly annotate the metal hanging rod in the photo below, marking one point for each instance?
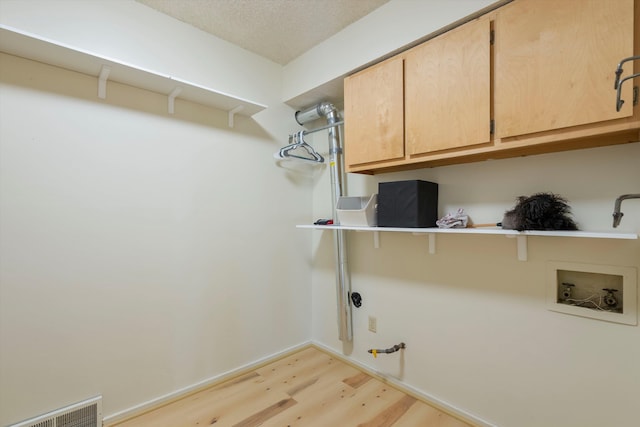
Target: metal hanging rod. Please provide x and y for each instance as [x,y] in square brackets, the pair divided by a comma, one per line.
[307,132]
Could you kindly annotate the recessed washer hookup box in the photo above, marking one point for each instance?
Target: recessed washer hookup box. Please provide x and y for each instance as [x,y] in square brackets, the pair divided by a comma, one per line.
[407,204]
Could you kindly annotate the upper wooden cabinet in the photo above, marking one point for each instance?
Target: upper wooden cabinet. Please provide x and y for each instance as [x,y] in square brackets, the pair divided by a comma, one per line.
[447,90]
[546,84]
[431,98]
[374,108]
[555,63]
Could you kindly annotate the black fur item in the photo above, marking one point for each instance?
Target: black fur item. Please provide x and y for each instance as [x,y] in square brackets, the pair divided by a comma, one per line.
[542,211]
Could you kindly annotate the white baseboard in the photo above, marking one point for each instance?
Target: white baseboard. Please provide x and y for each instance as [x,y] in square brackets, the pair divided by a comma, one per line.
[174,395]
[421,395]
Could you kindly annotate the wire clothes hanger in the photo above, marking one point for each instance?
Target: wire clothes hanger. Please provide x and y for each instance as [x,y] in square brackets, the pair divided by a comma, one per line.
[299,143]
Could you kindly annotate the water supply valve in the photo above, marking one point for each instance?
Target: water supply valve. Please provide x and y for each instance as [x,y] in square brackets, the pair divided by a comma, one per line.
[610,298]
[566,291]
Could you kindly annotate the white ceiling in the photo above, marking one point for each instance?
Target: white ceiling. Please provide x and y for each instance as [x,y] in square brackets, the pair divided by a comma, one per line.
[280,30]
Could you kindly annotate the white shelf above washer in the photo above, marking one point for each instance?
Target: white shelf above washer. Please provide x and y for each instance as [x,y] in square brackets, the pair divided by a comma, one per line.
[36,48]
[520,236]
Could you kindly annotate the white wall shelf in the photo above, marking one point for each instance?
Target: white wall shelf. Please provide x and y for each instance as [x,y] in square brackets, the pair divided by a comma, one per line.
[520,236]
[33,47]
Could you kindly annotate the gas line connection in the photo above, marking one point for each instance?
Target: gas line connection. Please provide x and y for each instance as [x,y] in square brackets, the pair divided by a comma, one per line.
[393,349]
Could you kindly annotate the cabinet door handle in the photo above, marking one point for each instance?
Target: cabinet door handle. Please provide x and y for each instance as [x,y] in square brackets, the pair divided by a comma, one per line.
[619,70]
[617,84]
[619,101]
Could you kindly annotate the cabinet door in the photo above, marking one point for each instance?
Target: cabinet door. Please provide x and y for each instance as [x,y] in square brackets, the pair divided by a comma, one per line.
[555,63]
[373,113]
[447,90]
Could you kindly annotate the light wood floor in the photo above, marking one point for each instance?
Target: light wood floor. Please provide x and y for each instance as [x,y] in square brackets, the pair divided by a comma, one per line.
[306,389]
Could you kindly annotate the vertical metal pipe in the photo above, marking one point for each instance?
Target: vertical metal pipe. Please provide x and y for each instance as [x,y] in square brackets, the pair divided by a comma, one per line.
[343,284]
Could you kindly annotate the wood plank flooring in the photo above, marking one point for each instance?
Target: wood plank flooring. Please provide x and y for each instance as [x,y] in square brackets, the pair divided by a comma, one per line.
[307,389]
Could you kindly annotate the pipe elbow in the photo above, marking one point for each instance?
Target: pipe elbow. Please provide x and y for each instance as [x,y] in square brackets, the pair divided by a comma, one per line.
[323,109]
[326,108]
[617,215]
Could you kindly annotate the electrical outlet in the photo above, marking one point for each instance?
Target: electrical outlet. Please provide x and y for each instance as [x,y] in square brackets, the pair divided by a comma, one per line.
[373,324]
[597,291]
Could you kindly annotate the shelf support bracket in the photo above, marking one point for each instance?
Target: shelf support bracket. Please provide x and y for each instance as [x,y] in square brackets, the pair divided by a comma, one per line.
[521,241]
[432,241]
[102,82]
[522,248]
[232,113]
[172,99]
[432,244]
[376,239]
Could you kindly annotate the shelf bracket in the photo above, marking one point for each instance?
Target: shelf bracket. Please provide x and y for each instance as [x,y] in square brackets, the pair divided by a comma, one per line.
[102,82]
[172,99]
[376,239]
[432,241]
[432,244]
[522,248]
[232,113]
[521,241]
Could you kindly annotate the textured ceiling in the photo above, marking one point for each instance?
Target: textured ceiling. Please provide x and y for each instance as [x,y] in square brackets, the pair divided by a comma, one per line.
[280,30]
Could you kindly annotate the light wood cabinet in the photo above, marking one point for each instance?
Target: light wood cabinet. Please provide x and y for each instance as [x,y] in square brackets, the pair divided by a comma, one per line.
[555,63]
[546,84]
[431,98]
[447,90]
[374,124]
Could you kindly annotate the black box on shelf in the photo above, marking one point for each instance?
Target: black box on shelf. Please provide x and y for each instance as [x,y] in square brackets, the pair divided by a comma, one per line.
[408,204]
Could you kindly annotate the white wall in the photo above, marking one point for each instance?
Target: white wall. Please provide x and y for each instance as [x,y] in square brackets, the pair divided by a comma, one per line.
[392,26]
[479,336]
[167,240]
[140,252]
[136,34]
